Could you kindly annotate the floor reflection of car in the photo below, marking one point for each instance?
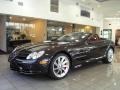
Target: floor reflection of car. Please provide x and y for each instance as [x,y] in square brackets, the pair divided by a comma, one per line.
[57,57]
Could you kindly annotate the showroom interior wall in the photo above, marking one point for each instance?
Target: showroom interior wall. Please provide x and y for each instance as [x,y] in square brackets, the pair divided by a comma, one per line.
[39,33]
[69,11]
[112,23]
[2,33]
[68,28]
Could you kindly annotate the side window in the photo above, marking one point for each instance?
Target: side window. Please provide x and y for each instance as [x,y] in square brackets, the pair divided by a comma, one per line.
[94,38]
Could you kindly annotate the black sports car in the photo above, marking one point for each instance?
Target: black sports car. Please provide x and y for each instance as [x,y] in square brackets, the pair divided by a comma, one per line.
[57,57]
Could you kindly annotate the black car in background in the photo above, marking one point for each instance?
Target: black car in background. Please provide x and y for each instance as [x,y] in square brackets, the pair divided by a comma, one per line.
[57,57]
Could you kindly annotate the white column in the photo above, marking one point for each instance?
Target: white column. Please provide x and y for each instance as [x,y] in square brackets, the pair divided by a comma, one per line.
[3,45]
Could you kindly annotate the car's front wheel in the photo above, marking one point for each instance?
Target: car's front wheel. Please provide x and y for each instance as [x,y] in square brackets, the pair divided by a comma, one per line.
[109,56]
[59,66]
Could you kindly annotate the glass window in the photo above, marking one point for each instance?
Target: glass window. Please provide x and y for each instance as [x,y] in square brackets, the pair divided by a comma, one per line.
[18,34]
[73,37]
[85,13]
[54,6]
[54,32]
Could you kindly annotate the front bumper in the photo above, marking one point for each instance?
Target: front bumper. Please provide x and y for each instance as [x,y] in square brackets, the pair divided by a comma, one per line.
[28,68]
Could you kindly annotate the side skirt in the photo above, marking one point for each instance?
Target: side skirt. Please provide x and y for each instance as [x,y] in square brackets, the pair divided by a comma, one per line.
[88,61]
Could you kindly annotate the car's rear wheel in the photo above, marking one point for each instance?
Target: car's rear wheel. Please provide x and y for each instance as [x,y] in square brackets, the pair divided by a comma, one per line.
[59,66]
[109,56]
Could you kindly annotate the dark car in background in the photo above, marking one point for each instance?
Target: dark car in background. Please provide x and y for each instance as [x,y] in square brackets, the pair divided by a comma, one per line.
[57,57]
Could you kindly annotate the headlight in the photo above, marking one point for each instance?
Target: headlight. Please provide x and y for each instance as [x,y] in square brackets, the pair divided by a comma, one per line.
[35,55]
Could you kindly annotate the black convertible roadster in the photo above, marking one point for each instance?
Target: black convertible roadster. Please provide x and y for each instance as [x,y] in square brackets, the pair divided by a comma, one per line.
[57,57]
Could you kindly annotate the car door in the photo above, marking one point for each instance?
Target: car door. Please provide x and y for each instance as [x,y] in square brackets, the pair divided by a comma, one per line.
[97,46]
[102,46]
[80,52]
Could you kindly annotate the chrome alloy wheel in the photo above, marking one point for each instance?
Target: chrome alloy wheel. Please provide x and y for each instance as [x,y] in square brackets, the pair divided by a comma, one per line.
[110,55]
[61,66]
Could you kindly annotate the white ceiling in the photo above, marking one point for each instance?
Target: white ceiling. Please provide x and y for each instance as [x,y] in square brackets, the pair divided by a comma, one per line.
[109,8]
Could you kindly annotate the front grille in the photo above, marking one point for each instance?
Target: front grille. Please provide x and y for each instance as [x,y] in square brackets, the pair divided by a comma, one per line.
[23,54]
[16,66]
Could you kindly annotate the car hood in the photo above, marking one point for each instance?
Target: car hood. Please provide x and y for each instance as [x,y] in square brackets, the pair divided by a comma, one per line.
[40,46]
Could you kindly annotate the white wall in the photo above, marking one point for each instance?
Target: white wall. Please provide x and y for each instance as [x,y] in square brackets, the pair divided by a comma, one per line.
[2,34]
[115,24]
[68,11]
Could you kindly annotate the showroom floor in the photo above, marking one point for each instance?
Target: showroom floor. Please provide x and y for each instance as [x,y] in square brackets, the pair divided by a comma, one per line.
[95,76]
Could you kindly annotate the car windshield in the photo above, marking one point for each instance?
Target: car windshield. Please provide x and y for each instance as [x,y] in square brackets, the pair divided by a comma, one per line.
[72,37]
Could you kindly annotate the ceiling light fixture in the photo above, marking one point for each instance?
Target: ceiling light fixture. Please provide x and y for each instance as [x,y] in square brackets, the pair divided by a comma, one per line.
[101,0]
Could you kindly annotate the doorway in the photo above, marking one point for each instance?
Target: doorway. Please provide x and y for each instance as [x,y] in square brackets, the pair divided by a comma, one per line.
[117,37]
[107,33]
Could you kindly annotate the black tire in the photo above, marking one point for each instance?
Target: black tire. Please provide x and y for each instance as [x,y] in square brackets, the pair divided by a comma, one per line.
[51,68]
[107,60]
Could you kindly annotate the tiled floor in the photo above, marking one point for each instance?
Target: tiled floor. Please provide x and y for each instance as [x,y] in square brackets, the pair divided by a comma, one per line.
[95,76]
